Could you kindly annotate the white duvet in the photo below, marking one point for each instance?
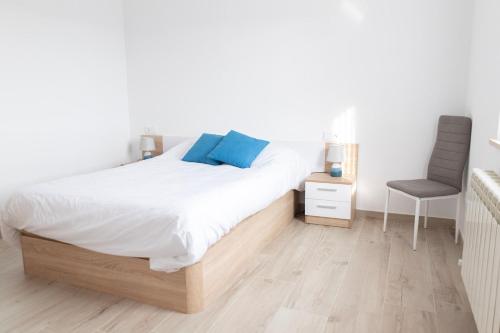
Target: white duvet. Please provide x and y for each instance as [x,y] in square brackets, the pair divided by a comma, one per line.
[164,209]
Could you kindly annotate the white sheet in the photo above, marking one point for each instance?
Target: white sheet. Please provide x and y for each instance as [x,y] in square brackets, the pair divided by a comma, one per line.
[164,209]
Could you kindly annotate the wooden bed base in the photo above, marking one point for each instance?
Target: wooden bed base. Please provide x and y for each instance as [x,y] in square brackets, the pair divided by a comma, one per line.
[188,290]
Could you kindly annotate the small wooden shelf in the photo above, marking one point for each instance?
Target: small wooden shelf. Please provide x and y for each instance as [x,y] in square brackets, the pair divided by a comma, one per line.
[495,142]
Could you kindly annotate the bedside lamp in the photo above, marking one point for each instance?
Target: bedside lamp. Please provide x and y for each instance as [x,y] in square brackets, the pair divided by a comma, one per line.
[147,146]
[336,156]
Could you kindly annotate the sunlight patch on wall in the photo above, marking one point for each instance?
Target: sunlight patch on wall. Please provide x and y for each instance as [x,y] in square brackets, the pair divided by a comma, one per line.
[352,11]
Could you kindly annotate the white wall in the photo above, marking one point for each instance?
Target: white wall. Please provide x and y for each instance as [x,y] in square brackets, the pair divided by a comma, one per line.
[293,69]
[484,95]
[63,94]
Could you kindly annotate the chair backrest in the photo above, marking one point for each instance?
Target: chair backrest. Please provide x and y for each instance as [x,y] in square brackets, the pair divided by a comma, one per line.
[450,151]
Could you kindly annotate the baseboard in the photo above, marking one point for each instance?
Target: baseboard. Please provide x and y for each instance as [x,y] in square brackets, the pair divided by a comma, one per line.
[380,215]
[404,217]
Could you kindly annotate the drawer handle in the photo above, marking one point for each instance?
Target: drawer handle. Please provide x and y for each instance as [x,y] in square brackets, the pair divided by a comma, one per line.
[325,206]
[327,189]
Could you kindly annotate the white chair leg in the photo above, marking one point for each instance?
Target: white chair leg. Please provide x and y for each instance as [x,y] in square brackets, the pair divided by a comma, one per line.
[457,216]
[387,195]
[427,204]
[415,226]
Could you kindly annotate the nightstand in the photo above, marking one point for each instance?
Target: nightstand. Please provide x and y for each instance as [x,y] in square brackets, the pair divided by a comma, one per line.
[330,200]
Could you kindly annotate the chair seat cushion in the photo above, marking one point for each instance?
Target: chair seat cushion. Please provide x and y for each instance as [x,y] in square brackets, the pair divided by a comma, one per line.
[422,188]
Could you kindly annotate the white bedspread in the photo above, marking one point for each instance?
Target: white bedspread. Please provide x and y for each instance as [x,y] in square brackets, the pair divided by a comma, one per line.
[164,209]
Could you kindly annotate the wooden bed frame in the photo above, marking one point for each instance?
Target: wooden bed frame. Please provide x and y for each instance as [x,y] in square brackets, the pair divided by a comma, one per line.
[188,290]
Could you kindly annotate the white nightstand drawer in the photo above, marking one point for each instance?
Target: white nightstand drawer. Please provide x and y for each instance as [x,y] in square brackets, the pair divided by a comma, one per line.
[325,191]
[326,208]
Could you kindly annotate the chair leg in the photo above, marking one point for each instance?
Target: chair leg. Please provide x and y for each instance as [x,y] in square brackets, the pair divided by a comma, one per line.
[427,204]
[387,195]
[415,226]
[456,219]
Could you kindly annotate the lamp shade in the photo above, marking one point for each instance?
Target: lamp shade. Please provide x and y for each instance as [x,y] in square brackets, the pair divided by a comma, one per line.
[335,153]
[147,143]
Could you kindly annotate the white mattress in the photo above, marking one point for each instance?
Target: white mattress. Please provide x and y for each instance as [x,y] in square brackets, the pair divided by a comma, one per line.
[164,209]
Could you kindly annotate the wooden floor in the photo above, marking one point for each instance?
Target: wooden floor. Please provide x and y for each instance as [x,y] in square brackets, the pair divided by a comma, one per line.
[311,279]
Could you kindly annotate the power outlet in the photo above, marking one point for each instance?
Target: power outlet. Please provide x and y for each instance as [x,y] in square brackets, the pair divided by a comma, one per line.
[148,130]
[329,136]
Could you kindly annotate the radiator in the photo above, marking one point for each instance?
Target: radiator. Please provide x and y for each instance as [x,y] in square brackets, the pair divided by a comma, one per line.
[481,252]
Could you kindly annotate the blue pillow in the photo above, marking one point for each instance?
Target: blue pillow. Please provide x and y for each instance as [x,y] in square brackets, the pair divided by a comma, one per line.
[238,149]
[204,145]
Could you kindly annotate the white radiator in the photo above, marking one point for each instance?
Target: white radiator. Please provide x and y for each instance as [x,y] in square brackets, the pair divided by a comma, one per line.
[481,253]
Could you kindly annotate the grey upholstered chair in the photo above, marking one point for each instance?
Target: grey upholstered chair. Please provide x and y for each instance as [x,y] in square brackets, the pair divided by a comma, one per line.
[444,174]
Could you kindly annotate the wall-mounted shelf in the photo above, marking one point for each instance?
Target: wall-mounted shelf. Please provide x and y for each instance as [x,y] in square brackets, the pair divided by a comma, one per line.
[495,142]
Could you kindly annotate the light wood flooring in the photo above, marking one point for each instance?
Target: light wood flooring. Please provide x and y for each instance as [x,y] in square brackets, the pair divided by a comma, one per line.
[311,279]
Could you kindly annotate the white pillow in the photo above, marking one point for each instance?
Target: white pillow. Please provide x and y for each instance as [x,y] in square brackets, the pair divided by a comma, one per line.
[272,153]
[178,151]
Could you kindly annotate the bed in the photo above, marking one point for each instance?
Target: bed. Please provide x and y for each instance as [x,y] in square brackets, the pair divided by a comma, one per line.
[162,231]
